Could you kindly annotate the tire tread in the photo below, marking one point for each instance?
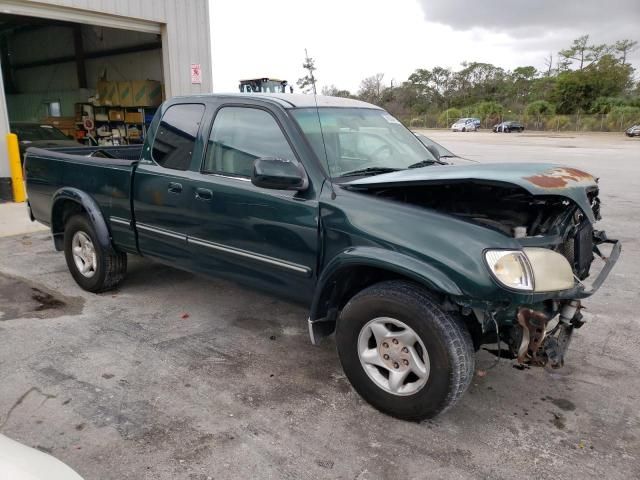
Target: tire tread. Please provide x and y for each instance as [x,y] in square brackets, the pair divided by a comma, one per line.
[451,328]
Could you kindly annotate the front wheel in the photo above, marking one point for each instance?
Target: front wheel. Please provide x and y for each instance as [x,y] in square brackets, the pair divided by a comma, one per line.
[92,266]
[402,353]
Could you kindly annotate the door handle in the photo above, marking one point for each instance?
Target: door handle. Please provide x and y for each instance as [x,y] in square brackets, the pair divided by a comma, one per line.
[204,194]
[175,187]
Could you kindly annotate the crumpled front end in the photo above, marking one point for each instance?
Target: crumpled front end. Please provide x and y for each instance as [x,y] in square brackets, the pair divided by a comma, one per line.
[538,328]
[545,260]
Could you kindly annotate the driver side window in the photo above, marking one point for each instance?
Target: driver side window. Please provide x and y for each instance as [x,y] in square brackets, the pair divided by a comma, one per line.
[239,136]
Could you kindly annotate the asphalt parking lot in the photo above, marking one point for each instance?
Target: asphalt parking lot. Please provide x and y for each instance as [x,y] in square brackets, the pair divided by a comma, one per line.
[177,376]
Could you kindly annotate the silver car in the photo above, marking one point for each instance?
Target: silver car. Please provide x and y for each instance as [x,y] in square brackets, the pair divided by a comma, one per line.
[465,125]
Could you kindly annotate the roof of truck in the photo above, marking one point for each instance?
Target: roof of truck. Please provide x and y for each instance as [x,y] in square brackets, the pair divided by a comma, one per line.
[298,100]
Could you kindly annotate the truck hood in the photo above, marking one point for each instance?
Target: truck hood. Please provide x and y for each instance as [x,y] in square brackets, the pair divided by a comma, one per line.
[539,179]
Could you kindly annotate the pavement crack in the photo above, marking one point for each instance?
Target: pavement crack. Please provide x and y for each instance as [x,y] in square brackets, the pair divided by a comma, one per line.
[21,399]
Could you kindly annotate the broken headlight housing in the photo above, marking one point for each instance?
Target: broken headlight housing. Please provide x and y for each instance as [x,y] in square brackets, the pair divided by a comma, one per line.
[530,269]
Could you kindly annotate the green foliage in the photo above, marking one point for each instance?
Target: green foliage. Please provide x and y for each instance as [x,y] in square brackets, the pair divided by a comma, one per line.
[449,116]
[485,110]
[557,122]
[589,124]
[587,78]
[622,117]
[577,90]
[540,107]
[605,104]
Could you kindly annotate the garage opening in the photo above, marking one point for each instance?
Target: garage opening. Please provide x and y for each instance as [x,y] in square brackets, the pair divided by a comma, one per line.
[71,84]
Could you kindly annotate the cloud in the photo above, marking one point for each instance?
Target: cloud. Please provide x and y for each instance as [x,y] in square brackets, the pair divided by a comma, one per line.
[535,28]
[534,15]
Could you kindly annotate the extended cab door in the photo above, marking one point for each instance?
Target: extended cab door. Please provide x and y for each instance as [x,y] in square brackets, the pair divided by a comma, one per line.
[162,184]
[266,238]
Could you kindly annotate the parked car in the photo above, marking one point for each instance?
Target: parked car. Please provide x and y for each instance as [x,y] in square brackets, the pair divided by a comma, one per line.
[19,462]
[508,127]
[633,131]
[38,135]
[413,264]
[442,154]
[465,125]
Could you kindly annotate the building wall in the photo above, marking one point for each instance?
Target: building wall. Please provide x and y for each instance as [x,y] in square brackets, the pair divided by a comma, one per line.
[184,27]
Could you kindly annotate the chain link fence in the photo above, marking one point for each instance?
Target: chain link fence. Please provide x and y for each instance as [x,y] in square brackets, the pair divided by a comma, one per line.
[542,123]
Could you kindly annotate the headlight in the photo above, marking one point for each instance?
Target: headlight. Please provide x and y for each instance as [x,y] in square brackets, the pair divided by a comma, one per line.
[532,269]
[550,269]
[511,268]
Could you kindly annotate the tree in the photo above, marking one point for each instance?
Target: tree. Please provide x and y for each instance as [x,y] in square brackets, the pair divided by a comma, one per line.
[624,48]
[371,88]
[578,90]
[333,91]
[577,51]
[548,62]
[308,83]
[540,107]
[486,110]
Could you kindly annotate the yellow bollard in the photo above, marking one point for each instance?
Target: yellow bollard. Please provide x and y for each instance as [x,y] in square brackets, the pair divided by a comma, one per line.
[17,180]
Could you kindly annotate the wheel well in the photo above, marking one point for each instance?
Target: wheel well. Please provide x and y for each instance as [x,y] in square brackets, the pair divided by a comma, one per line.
[348,281]
[62,211]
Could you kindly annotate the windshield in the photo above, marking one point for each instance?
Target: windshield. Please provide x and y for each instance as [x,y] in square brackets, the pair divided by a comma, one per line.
[360,138]
[38,132]
[441,150]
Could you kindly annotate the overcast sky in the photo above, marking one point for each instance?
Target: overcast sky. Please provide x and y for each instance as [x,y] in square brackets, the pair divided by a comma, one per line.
[352,39]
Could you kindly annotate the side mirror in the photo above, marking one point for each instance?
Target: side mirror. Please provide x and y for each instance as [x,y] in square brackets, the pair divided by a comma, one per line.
[278,174]
[434,151]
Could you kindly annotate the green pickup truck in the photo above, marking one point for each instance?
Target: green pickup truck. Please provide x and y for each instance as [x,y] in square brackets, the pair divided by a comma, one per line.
[331,202]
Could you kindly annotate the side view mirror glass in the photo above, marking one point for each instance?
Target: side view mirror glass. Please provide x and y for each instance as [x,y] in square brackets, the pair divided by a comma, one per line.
[278,174]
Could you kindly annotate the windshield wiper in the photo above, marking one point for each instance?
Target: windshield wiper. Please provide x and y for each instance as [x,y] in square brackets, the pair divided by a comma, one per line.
[426,163]
[369,171]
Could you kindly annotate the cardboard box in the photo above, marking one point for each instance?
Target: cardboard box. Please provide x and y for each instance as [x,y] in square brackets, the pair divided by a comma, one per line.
[62,123]
[146,93]
[107,93]
[125,94]
[101,114]
[133,117]
[116,115]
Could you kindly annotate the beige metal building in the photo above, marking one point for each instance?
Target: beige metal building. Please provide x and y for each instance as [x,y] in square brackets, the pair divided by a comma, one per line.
[56,54]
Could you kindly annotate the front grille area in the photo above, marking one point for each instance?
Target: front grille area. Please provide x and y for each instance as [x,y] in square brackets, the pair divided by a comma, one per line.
[579,250]
[583,250]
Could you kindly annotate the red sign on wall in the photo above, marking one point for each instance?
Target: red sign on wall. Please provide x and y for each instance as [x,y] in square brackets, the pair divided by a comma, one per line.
[196,73]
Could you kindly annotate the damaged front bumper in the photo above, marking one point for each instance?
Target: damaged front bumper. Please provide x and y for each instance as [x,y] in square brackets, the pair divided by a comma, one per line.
[537,344]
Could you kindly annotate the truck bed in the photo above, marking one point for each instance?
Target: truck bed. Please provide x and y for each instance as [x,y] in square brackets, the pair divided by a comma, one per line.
[102,172]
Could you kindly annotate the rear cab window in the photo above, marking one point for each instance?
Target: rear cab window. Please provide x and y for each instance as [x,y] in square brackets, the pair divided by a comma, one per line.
[176,136]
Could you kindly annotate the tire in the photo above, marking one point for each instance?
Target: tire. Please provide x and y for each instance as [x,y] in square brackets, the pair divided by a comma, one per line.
[448,356]
[106,268]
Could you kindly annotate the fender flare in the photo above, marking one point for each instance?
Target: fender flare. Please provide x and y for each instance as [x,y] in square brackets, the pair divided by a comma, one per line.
[393,261]
[89,205]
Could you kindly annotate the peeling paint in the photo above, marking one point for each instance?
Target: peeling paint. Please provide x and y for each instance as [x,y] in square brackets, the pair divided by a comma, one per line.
[559,177]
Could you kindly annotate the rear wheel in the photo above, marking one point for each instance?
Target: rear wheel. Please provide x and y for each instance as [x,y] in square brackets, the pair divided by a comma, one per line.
[93,267]
[403,353]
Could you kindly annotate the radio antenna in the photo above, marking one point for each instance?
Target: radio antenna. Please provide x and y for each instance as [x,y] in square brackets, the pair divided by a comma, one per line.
[309,65]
